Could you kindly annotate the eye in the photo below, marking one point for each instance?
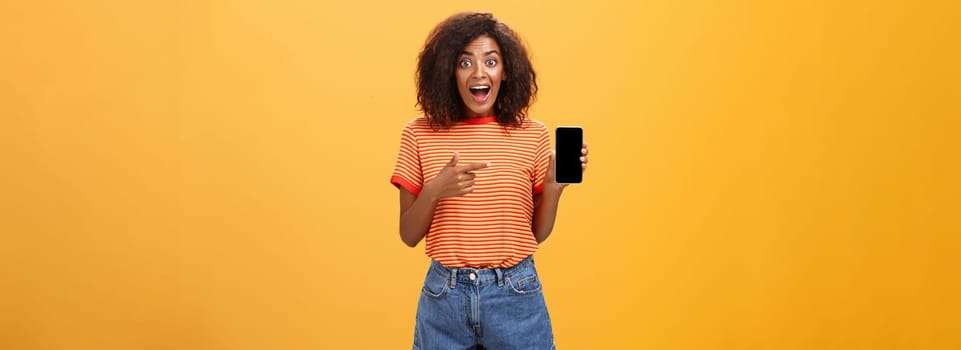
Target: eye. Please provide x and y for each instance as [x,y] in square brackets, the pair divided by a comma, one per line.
[491,62]
[465,63]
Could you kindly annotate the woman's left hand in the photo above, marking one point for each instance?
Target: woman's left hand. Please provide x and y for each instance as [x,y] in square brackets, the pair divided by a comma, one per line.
[551,182]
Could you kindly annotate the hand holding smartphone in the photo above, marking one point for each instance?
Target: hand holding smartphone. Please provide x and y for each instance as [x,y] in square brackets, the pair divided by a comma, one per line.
[567,162]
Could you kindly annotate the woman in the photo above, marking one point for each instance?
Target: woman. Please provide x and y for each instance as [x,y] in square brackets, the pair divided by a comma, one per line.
[476,178]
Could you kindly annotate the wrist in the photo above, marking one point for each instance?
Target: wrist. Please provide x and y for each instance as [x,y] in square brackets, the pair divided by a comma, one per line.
[553,189]
[429,193]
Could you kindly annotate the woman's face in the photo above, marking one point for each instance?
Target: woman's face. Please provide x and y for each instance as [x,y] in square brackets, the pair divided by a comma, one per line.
[479,73]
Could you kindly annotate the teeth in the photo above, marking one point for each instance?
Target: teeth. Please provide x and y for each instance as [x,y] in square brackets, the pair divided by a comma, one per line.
[479,87]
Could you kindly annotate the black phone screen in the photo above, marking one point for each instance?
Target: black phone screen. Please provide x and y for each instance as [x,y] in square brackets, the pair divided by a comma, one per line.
[569,140]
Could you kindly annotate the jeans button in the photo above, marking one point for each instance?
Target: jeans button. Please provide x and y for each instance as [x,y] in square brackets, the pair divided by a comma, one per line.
[472,276]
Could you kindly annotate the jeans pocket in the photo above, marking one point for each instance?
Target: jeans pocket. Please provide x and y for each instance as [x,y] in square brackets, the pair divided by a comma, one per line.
[525,283]
[435,284]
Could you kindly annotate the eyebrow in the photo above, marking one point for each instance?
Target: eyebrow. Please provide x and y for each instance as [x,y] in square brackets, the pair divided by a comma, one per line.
[488,53]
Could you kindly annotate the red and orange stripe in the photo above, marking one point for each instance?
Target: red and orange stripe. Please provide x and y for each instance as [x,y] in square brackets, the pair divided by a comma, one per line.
[490,227]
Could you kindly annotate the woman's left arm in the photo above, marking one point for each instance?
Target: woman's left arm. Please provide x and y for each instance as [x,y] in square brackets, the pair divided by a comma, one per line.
[545,203]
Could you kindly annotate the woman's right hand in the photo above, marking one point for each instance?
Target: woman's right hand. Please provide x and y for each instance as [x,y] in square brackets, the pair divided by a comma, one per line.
[453,180]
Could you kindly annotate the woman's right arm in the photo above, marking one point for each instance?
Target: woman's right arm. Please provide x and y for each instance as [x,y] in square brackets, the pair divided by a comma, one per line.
[417,211]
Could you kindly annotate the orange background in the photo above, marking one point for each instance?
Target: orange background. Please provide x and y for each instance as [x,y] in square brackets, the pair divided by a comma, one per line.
[214,174]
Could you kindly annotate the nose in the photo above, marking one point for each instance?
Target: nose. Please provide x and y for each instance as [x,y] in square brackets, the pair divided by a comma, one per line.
[479,71]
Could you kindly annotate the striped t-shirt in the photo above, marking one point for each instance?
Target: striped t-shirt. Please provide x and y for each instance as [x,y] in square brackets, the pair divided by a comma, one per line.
[491,226]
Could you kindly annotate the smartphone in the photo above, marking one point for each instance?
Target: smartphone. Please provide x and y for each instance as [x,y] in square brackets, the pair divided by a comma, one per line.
[567,164]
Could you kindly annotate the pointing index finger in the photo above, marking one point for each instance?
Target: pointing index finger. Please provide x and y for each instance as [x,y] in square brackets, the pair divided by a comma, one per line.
[475,166]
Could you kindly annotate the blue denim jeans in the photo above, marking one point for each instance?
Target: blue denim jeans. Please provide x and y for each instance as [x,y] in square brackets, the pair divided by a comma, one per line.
[494,308]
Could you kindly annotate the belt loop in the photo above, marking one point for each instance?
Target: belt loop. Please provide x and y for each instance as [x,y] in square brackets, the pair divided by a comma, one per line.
[500,276]
[453,277]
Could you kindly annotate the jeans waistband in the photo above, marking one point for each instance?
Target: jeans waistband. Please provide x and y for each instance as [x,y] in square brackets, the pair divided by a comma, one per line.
[480,276]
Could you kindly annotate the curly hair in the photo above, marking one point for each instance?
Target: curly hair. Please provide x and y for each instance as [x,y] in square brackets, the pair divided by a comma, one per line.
[437,94]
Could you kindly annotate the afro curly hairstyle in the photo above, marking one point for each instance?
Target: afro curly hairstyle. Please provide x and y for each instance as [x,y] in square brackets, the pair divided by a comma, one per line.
[437,94]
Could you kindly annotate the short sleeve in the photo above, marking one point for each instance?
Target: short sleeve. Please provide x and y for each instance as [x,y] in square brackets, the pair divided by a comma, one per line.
[408,173]
[542,158]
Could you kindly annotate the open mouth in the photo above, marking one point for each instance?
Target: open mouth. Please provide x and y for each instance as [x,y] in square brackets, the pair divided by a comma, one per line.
[480,93]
